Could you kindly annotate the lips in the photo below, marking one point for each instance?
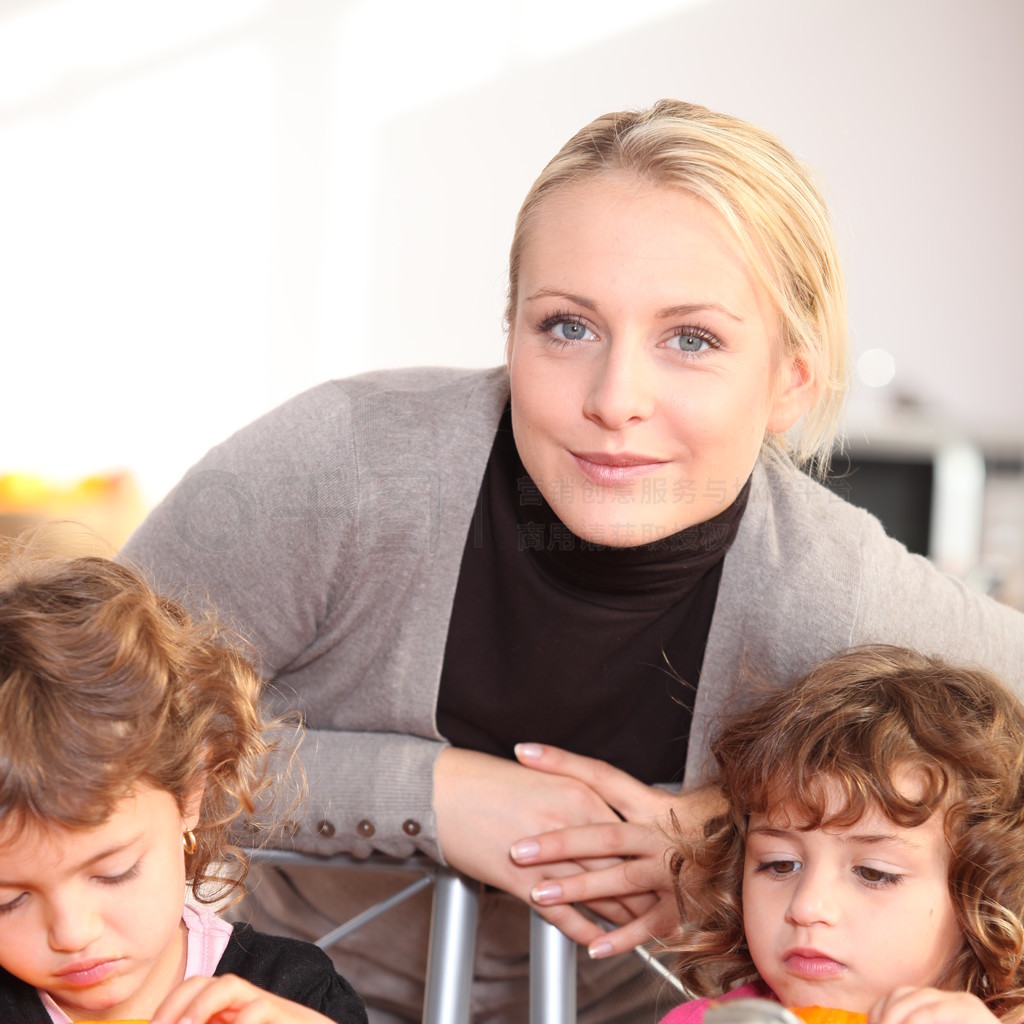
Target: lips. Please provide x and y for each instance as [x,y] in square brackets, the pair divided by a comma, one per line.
[86,972]
[811,963]
[616,469]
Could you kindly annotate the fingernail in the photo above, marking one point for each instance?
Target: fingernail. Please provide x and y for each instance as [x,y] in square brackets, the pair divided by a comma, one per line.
[546,891]
[599,949]
[525,849]
[529,751]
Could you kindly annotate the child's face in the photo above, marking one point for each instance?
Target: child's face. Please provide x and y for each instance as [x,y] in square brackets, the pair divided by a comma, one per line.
[840,917]
[94,916]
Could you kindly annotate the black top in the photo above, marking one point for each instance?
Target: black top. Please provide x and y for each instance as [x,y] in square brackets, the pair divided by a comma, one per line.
[557,640]
[296,970]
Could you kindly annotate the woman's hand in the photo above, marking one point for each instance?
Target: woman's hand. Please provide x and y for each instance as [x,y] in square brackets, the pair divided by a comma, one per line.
[638,845]
[484,803]
[228,999]
[930,1006]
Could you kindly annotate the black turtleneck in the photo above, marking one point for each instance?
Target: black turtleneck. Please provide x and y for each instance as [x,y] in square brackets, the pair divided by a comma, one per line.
[556,640]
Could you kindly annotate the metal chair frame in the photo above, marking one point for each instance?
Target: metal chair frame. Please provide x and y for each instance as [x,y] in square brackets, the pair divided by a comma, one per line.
[453,940]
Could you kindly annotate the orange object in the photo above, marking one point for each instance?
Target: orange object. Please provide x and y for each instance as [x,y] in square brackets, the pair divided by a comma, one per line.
[828,1015]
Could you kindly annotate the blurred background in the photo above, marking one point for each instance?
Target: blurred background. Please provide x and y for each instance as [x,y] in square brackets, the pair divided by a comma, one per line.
[209,205]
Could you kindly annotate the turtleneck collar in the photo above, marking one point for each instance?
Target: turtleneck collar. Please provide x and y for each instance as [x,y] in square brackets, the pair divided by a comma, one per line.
[667,567]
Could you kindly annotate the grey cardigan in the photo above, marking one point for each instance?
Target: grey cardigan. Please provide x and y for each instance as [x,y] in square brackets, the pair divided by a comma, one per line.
[330,533]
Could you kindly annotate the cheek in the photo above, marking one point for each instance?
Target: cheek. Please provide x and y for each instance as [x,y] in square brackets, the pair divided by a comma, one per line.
[539,397]
[749,897]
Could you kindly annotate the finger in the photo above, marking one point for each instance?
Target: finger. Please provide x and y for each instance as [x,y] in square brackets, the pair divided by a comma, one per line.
[659,922]
[226,992]
[177,1001]
[629,878]
[260,1011]
[930,1006]
[617,839]
[617,788]
[614,912]
[890,999]
[571,922]
[622,911]
[639,904]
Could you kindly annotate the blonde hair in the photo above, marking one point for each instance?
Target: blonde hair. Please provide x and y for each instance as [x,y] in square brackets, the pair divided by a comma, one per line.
[855,723]
[104,685]
[769,201]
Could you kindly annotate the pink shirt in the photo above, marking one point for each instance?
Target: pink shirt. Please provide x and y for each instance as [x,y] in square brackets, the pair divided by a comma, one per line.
[693,1011]
[207,939]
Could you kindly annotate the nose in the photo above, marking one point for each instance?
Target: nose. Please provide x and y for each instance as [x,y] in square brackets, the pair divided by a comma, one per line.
[620,391]
[72,925]
[813,899]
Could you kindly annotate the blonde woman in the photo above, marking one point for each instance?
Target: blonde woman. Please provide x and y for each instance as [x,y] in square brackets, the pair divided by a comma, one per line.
[575,551]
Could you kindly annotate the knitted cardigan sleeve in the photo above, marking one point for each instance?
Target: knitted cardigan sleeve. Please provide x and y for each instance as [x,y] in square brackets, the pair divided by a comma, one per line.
[329,533]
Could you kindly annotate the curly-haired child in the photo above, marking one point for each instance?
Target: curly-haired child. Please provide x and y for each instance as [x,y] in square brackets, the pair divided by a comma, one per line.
[870,855]
[131,741]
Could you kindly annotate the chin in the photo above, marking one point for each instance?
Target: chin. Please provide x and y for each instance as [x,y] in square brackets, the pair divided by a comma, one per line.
[626,533]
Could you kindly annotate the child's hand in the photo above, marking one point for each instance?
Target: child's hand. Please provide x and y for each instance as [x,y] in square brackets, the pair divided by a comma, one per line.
[930,1006]
[229,999]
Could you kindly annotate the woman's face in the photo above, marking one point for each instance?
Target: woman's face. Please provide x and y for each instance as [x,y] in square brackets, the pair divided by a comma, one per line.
[644,360]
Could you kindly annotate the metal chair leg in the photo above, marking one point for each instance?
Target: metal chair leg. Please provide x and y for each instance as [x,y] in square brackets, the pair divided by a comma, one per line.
[552,974]
[452,944]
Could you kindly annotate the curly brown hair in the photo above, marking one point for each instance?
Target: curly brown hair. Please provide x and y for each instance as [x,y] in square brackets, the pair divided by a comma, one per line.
[104,685]
[853,723]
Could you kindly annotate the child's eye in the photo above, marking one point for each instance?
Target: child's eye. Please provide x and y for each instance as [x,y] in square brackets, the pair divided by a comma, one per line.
[779,867]
[6,908]
[125,876]
[876,877]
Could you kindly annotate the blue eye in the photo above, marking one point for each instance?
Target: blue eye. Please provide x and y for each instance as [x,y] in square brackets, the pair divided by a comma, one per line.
[565,329]
[571,330]
[692,341]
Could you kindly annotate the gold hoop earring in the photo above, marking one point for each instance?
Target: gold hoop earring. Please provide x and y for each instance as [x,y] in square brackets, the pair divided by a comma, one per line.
[188,840]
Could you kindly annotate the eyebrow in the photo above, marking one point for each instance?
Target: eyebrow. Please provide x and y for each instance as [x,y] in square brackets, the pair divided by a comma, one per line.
[683,309]
[869,838]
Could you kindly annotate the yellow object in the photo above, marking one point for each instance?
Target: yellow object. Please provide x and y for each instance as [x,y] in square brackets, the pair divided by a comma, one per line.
[105,508]
[828,1015]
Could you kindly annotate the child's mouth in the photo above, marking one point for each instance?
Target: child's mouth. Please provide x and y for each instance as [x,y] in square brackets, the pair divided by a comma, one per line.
[87,972]
[809,963]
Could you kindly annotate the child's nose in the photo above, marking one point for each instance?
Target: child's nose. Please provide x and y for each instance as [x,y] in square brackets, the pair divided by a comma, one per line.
[814,899]
[73,925]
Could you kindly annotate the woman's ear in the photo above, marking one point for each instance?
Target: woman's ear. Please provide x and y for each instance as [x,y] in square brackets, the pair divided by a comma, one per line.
[796,392]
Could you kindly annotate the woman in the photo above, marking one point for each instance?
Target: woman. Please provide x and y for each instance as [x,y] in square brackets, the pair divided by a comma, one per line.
[438,564]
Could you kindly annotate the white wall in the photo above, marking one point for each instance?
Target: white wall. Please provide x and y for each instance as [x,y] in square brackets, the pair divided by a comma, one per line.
[206,205]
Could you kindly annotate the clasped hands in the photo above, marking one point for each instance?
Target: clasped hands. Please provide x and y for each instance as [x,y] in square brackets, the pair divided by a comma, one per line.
[561,831]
